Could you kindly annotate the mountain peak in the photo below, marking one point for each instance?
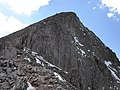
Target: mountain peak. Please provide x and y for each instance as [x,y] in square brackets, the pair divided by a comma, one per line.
[64,14]
[59,48]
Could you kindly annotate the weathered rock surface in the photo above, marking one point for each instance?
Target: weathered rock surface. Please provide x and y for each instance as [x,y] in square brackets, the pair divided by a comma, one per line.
[21,74]
[84,61]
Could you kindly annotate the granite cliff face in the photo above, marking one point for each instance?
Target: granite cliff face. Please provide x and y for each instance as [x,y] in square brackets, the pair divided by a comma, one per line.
[57,53]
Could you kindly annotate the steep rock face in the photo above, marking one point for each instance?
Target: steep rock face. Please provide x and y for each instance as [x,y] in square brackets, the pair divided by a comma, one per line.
[65,42]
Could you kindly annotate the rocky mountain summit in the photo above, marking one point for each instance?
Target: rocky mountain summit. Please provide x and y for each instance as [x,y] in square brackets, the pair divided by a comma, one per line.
[57,53]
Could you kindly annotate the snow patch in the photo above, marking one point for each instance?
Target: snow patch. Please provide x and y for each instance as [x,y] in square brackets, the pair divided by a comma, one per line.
[82,52]
[44,22]
[88,88]
[1,57]
[27,59]
[30,87]
[44,61]
[78,48]
[114,74]
[108,63]
[119,67]
[81,44]
[40,57]
[66,72]
[68,29]
[110,87]
[112,70]
[51,65]
[58,76]
[18,55]
[34,53]
[26,50]
[118,81]
[116,87]
[88,50]
[38,61]
[103,88]
[93,53]
[77,42]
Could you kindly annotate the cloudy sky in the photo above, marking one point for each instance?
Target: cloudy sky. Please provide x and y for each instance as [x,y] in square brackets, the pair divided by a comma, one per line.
[100,16]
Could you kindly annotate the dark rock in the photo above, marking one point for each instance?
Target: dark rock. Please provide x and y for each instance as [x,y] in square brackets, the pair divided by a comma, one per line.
[79,56]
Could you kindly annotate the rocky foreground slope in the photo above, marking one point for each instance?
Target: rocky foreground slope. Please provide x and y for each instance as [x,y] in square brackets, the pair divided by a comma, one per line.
[57,53]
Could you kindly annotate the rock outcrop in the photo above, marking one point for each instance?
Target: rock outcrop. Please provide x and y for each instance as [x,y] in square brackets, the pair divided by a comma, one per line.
[57,53]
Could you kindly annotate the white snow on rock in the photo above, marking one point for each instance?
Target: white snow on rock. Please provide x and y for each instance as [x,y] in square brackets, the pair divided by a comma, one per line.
[78,52]
[80,44]
[18,55]
[68,29]
[26,50]
[108,63]
[38,61]
[34,53]
[93,53]
[110,87]
[114,74]
[88,50]
[88,88]
[119,67]
[116,87]
[78,48]
[118,81]
[38,58]
[112,70]
[84,34]
[82,52]
[58,76]
[66,72]
[103,88]
[77,42]
[30,87]
[51,65]
[27,59]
